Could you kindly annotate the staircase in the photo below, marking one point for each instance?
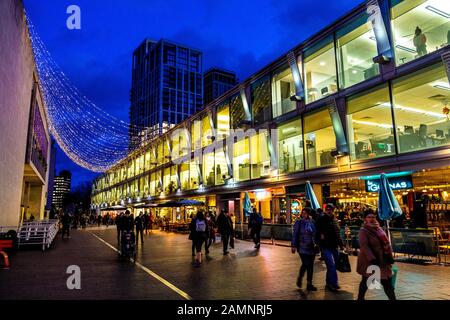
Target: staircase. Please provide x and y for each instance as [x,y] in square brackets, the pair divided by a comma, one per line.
[37,233]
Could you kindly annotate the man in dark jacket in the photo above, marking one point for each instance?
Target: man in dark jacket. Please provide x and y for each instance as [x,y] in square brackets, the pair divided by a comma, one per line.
[225,228]
[329,239]
[255,226]
[139,222]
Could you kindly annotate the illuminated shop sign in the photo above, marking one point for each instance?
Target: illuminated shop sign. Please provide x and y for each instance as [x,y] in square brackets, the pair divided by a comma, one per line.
[396,183]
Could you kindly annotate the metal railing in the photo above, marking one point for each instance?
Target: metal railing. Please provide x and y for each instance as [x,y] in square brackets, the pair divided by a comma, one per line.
[38,233]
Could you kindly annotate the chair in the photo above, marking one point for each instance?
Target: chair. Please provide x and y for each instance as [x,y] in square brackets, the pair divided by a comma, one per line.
[409,130]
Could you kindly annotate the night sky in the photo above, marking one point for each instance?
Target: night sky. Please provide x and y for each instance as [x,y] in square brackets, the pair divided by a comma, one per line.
[239,35]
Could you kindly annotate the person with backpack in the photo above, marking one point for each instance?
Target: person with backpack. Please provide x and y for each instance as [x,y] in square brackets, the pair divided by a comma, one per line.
[211,233]
[329,238]
[255,226]
[375,250]
[303,241]
[199,236]
[225,228]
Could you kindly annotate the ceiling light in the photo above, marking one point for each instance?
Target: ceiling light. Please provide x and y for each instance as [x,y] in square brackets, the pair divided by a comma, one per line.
[322,63]
[405,48]
[373,124]
[437,11]
[442,85]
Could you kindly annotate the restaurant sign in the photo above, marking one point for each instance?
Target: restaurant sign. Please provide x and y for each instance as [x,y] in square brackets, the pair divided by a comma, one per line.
[396,183]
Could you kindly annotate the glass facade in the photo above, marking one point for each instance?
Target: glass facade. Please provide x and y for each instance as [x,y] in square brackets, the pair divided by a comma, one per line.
[320,70]
[369,124]
[261,102]
[405,114]
[283,87]
[290,147]
[419,27]
[241,160]
[357,47]
[319,139]
[420,102]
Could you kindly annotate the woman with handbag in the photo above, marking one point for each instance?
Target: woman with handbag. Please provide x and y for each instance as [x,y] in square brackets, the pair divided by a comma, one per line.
[303,241]
[375,250]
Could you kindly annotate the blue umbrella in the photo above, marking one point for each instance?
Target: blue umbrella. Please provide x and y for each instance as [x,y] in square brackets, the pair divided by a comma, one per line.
[388,207]
[247,207]
[311,196]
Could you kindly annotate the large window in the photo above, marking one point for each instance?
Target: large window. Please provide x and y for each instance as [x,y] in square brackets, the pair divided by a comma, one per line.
[221,166]
[207,132]
[357,47]
[194,174]
[320,70]
[259,155]
[261,100]
[369,124]
[420,27]
[241,160]
[283,87]
[290,147]
[208,169]
[421,104]
[237,112]
[223,121]
[184,176]
[319,139]
[196,134]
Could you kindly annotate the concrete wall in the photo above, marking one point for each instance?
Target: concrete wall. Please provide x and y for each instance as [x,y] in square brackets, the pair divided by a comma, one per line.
[16,83]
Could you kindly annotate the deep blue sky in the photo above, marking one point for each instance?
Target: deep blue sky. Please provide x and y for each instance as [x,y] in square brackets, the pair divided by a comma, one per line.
[240,35]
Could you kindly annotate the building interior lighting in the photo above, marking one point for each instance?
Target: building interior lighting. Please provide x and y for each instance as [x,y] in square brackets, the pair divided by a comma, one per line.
[442,85]
[437,11]
[373,124]
[399,46]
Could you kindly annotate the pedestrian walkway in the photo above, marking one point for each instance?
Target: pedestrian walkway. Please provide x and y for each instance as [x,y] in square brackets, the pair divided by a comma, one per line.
[165,260]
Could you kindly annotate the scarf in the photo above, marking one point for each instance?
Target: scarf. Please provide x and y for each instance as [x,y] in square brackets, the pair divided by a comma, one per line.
[377,231]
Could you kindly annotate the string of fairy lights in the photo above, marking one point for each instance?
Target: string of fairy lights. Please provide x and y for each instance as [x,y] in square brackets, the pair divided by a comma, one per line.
[90,136]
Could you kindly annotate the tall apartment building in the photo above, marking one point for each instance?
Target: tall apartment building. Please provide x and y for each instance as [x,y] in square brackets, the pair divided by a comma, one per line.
[217,81]
[167,88]
[61,188]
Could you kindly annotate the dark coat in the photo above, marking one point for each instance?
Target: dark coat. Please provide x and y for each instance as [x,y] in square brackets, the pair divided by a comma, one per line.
[224,224]
[197,235]
[328,232]
[303,237]
[371,253]
[255,221]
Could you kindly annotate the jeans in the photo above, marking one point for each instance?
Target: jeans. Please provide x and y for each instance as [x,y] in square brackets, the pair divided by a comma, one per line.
[255,234]
[387,286]
[65,230]
[307,266]
[225,241]
[330,256]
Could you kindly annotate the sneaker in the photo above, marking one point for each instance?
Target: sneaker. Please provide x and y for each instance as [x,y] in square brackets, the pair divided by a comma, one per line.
[338,287]
[207,251]
[225,253]
[310,287]
[258,246]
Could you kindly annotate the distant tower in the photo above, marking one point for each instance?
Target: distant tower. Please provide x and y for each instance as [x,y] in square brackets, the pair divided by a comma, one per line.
[51,176]
[217,81]
[166,88]
[61,188]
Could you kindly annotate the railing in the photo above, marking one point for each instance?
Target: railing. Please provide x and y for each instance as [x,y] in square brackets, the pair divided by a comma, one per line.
[38,233]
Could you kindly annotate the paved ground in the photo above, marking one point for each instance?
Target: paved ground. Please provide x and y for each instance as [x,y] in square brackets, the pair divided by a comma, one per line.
[164,271]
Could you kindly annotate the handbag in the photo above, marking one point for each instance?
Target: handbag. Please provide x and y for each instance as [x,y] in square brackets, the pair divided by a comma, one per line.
[343,263]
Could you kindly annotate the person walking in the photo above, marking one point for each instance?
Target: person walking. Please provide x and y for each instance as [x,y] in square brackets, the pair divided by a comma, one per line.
[420,42]
[329,239]
[139,222]
[99,220]
[303,241]
[191,232]
[375,250]
[225,228]
[65,220]
[211,233]
[255,226]
[200,235]
[146,222]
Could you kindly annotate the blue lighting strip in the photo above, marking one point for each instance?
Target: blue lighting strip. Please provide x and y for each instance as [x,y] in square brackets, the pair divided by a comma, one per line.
[389,175]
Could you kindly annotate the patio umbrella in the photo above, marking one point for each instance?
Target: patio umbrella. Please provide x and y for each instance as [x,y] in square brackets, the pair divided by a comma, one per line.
[247,207]
[311,196]
[388,207]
